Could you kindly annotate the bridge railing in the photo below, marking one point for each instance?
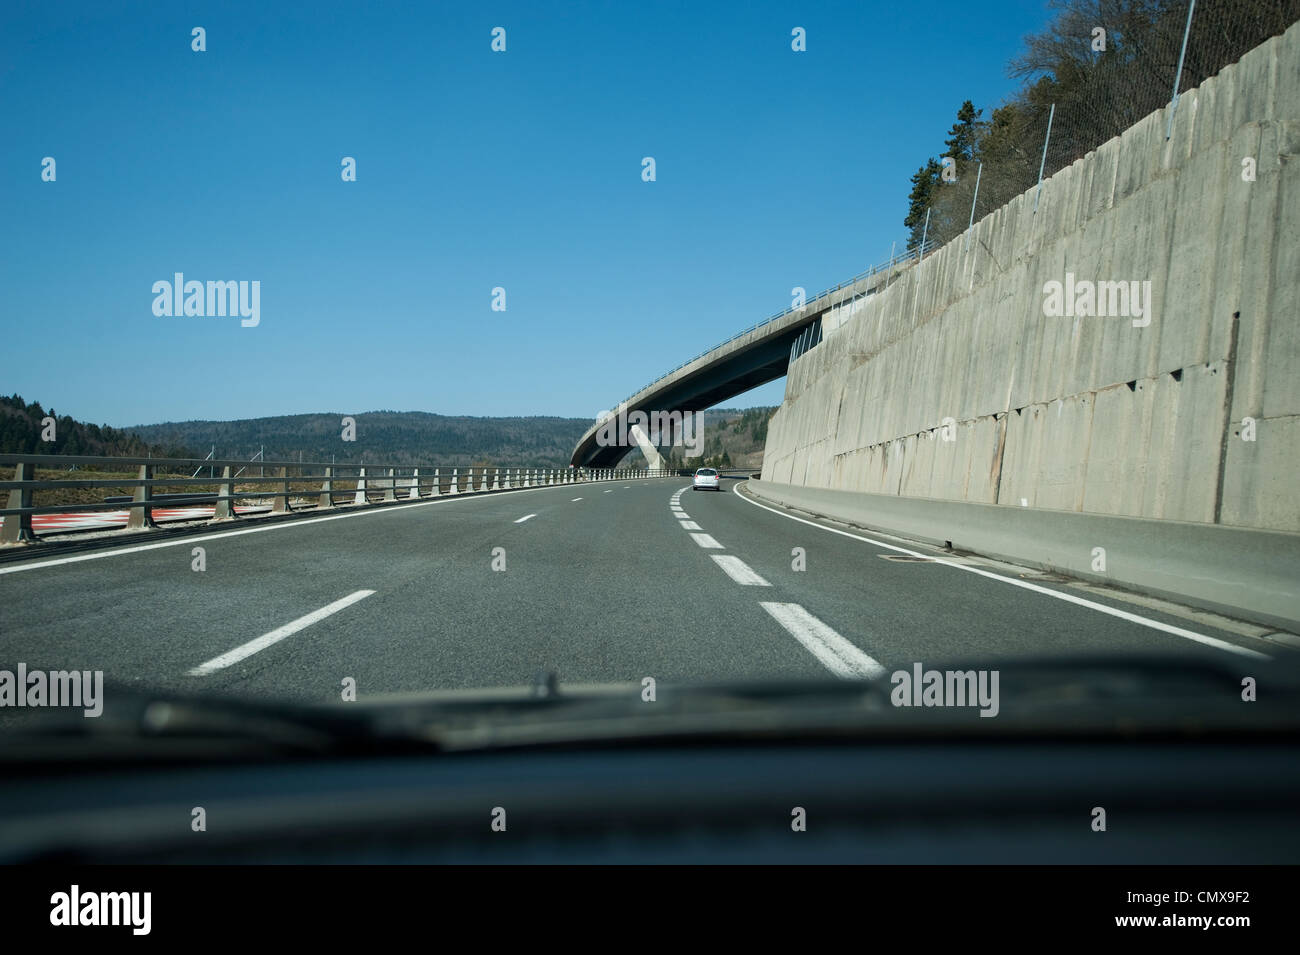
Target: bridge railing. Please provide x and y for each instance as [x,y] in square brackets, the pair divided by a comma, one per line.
[894,261]
[281,487]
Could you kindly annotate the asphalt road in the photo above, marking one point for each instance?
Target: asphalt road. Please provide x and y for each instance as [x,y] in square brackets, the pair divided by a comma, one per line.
[617,585]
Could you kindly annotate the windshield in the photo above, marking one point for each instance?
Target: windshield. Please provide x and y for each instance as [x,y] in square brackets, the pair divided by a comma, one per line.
[386,380]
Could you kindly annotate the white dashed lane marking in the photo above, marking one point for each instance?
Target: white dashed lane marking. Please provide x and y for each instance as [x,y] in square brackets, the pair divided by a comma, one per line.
[739,571]
[835,653]
[275,636]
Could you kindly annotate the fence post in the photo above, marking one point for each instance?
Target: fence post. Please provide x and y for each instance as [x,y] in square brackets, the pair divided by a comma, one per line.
[1042,164]
[360,497]
[281,505]
[142,516]
[974,199]
[1173,106]
[18,527]
[225,508]
[326,499]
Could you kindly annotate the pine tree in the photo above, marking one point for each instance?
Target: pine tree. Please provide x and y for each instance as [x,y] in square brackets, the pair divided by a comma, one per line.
[963,139]
[924,184]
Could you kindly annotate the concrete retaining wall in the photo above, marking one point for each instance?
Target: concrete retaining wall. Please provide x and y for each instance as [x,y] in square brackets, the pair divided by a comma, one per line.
[1090,415]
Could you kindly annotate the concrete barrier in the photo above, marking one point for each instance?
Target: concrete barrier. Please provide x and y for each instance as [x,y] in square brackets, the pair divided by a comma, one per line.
[1240,572]
[962,382]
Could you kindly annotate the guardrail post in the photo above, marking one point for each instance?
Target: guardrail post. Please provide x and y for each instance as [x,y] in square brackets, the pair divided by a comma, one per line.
[225,508]
[326,499]
[414,492]
[454,488]
[281,504]
[390,492]
[18,527]
[437,482]
[495,484]
[360,497]
[142,516]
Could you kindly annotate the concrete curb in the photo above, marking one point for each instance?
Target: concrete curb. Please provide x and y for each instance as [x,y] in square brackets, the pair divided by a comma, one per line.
[1248,574]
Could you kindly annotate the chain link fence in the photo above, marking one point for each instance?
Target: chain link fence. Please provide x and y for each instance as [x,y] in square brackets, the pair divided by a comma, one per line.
[1098,68]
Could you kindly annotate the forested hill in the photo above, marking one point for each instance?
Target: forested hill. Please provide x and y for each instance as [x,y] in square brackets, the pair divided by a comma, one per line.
[397,437]
[23,431]
[731,436]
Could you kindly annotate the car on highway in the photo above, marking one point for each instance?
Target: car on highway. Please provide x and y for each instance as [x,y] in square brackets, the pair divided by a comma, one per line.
[706,478]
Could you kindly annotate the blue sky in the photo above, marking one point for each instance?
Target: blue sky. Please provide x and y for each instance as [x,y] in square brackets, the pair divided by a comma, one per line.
[475,169]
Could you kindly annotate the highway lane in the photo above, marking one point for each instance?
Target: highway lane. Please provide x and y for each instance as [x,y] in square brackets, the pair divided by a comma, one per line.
[619,584]
[591,588]
[905,610]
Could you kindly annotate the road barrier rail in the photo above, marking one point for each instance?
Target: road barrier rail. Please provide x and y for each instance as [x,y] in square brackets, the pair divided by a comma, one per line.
[172,482]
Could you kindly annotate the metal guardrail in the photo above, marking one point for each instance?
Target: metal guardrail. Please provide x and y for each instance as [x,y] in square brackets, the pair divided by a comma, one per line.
[917,254]
[369,484]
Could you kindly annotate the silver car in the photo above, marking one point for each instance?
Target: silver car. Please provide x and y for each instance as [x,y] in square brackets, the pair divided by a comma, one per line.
[706,478]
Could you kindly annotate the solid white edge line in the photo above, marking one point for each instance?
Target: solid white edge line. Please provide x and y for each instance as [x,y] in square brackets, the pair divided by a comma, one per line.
[835,653]
[739,571]
[276,635]
[278,526]
[526,517]
[1026,585]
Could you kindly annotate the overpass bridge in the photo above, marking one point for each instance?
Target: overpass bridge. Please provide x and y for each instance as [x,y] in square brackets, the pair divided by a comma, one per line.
[759,354]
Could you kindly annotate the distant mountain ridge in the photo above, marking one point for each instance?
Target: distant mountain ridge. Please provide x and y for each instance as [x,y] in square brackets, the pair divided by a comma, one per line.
[396,437]
[389,437]
[419,437]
